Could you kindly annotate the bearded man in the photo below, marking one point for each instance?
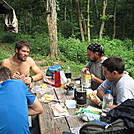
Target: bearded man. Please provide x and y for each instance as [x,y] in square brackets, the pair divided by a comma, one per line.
[95,53]
[21,64]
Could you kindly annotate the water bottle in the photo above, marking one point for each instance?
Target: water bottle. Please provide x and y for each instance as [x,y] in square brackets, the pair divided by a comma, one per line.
[68,72]
[107,102]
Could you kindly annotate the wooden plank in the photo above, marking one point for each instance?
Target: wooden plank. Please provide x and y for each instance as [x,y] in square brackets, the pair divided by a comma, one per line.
[51,125]
[48,123]
[73,120]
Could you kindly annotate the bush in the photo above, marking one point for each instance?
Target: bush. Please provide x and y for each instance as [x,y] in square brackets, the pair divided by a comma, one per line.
[66,28]
[73,49]
[8,37]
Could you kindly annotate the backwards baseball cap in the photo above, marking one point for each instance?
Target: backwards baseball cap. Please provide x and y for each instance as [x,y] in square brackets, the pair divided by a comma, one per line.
[96,47]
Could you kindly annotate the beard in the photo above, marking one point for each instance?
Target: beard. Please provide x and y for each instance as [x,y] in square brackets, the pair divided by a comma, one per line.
[94,59]
[21,58]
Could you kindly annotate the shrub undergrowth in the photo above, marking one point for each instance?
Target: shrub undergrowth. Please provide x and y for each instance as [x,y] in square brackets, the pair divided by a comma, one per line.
[71,51]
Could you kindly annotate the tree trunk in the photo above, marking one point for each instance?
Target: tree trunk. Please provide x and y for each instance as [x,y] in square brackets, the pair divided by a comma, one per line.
[114,32]
[88,20]
[124,28]
[96,8]
[65,11]
[80,20]
[52,26]
[103,18]
[71,14]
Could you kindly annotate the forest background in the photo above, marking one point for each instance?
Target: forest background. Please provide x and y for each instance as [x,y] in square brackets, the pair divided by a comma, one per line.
[78,23]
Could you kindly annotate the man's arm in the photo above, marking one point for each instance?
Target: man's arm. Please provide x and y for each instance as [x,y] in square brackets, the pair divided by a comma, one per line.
[35,69]
[5,63]
[100,93]
[97,80]
[95,99]
[35,108]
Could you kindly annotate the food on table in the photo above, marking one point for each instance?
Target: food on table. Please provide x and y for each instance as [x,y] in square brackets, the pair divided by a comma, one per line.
[44,86]
[90,96]
[48,96]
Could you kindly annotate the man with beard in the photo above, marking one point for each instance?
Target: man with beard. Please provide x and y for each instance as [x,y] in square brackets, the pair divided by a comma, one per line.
[21,64]
[95,53]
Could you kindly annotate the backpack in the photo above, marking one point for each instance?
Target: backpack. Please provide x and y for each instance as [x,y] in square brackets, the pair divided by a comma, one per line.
[99,127]
[53,69]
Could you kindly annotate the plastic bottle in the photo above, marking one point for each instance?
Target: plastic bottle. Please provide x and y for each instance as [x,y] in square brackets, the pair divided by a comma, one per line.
[57,81]
[86,79]
[68,72]
[107,101]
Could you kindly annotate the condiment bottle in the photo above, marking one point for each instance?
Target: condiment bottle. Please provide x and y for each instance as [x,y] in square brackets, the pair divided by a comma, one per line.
[86,79]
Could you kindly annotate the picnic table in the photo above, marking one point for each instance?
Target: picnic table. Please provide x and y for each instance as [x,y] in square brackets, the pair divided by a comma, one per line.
[49,124]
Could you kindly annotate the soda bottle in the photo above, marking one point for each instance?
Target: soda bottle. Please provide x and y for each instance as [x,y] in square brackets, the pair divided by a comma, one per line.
[107,102]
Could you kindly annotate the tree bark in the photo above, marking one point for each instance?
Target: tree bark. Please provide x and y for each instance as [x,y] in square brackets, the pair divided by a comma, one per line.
[65,11]
[114,31]
[96,8]
[71,15]
[103,20]
[80,20]
[124,28]
[88,20]
[52,26]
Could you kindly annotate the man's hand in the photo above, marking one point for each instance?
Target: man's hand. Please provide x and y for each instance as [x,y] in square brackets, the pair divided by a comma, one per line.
[83,69]
[16,75]
[94,98]
[28,80]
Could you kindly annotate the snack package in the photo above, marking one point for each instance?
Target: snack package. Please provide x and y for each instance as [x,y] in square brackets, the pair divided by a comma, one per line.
[90,113]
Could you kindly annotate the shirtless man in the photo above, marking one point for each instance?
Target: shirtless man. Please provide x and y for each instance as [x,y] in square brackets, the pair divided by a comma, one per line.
[20,64]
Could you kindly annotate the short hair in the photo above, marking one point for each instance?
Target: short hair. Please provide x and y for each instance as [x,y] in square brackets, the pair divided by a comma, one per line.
[114,63]
[21,44]
[5,73]
[96,47]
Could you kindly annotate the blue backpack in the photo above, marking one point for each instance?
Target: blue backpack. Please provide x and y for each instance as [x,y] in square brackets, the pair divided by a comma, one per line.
[53,69]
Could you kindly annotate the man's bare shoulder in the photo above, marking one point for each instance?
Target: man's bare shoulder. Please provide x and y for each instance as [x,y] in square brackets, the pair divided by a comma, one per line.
[30,61]
[6,61]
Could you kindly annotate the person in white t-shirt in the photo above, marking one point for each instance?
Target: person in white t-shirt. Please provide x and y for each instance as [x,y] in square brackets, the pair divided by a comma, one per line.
[117,80]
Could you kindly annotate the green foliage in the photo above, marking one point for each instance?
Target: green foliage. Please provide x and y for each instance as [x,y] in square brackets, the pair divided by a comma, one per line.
[39,43]
[66,28]
[106,17]
[6,50]
[73,49]
[8,37]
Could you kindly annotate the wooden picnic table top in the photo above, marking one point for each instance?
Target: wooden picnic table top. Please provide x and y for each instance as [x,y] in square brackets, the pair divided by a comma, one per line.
[49,124]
